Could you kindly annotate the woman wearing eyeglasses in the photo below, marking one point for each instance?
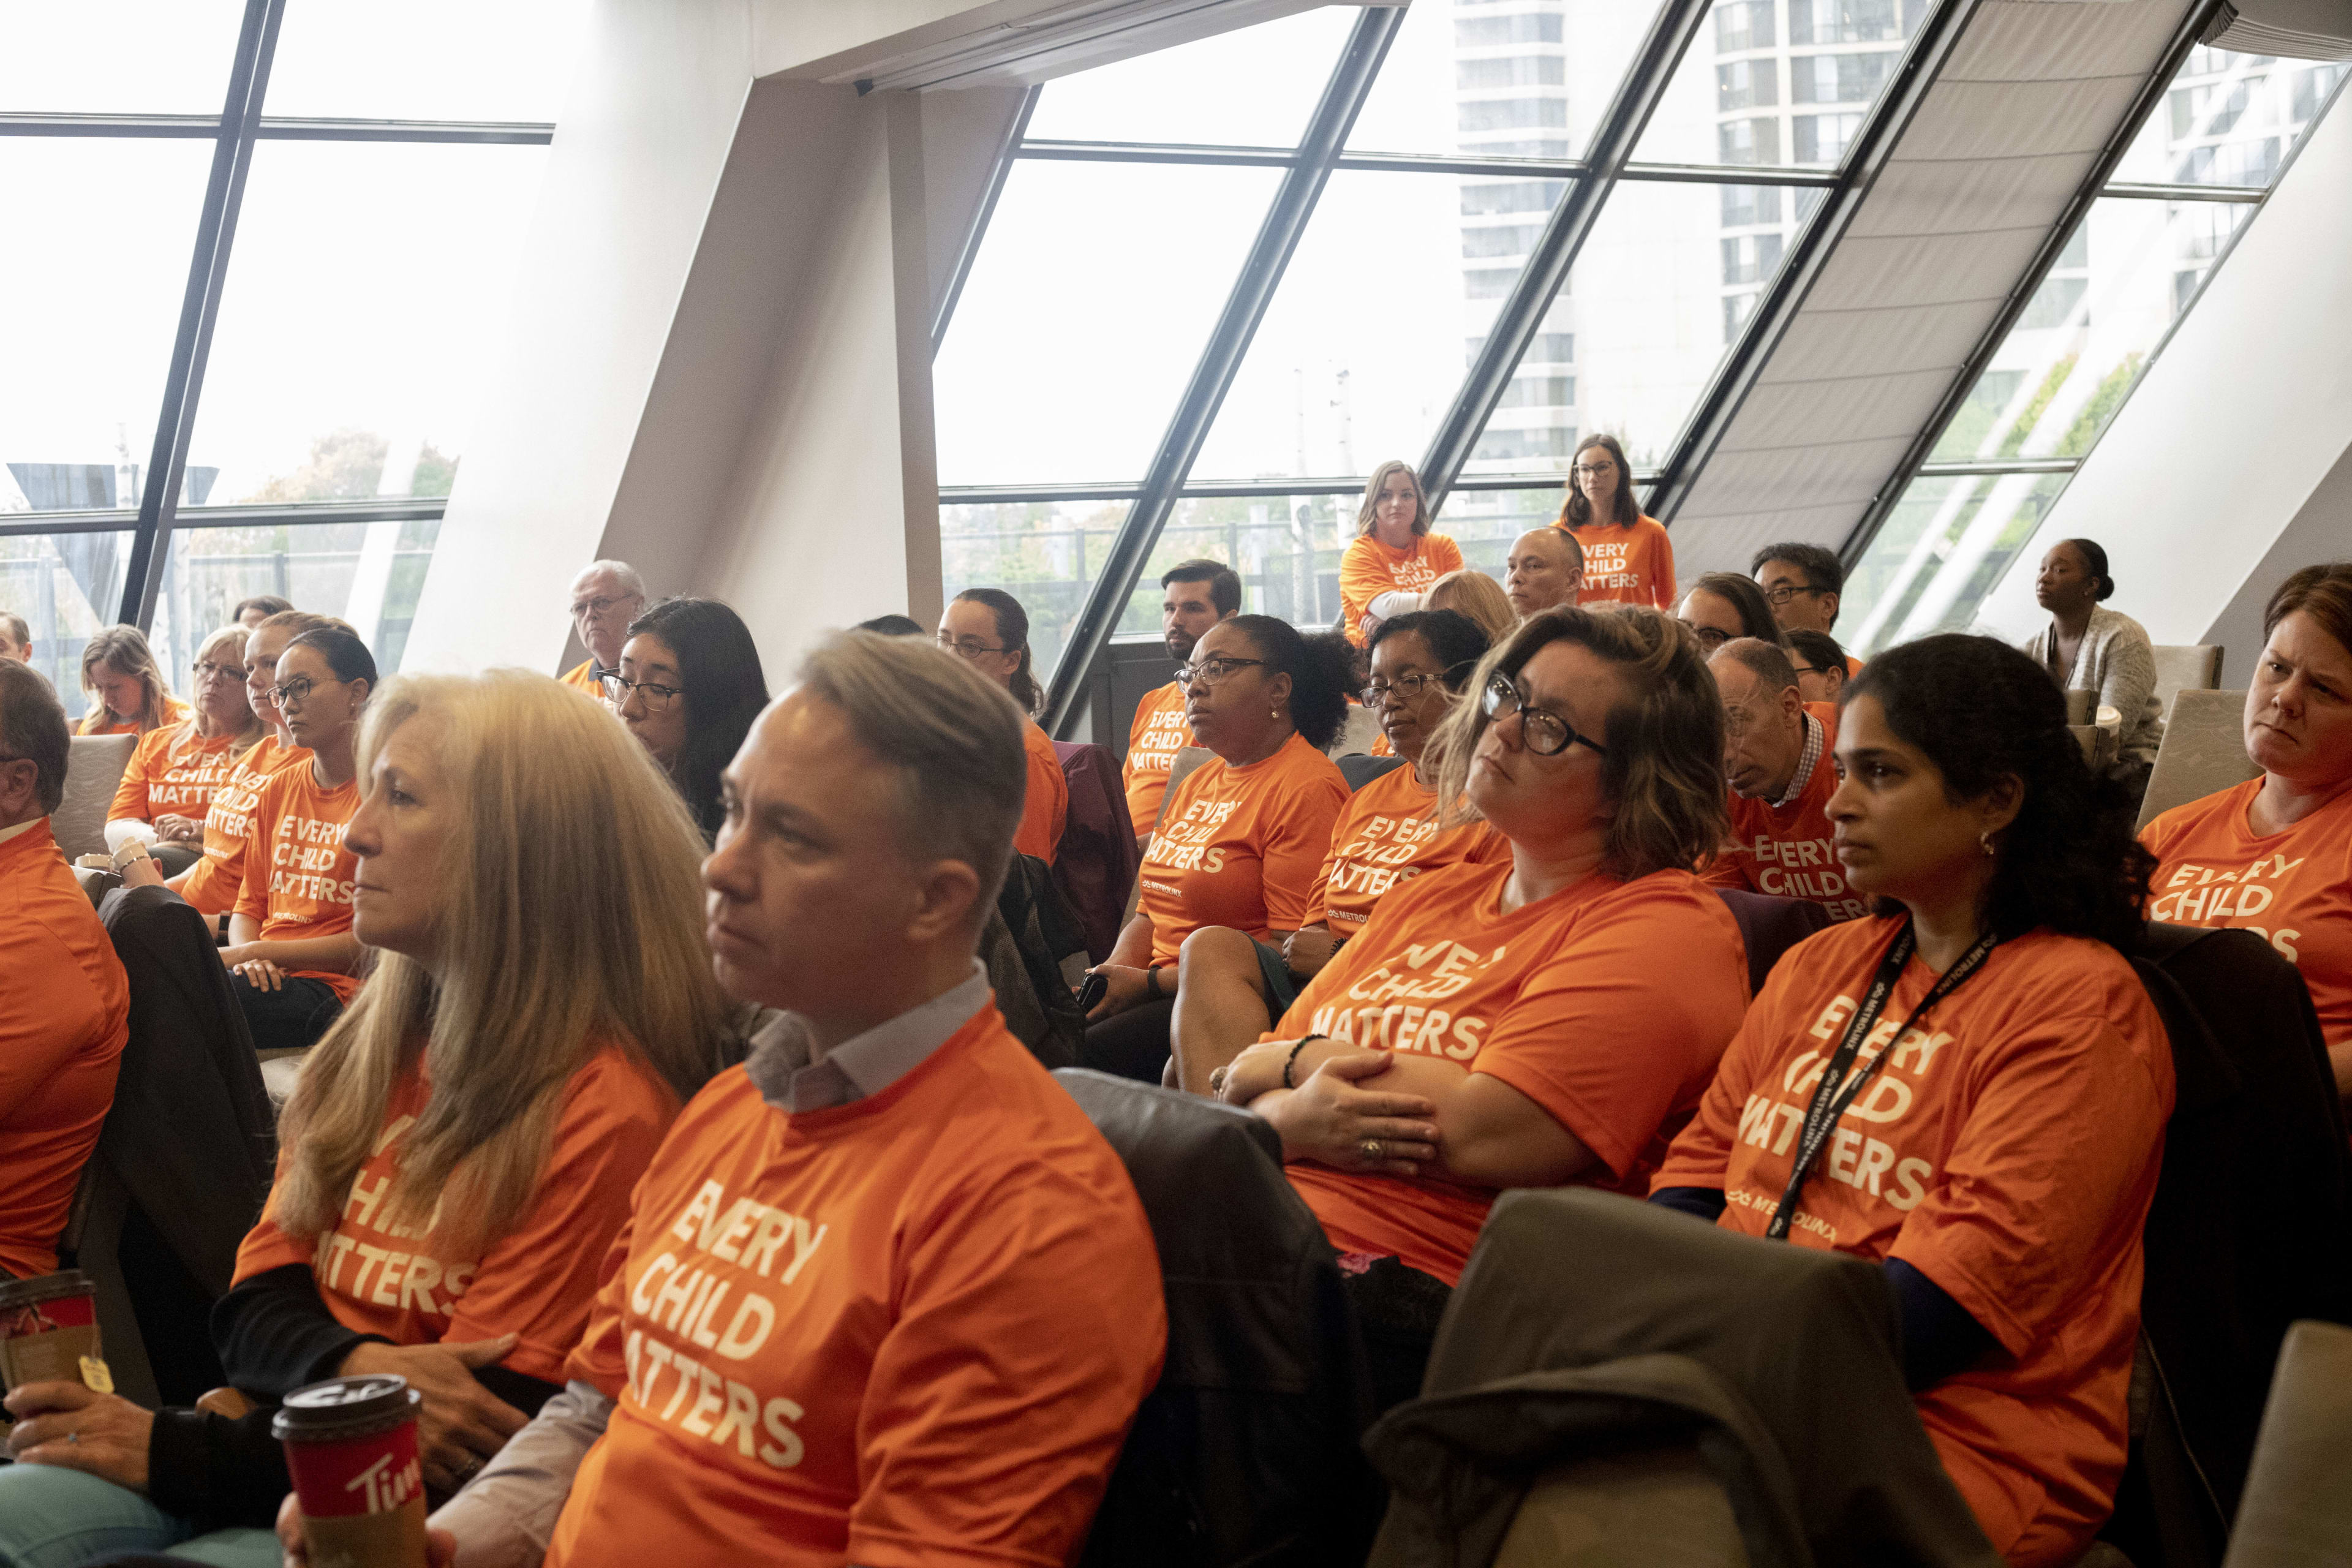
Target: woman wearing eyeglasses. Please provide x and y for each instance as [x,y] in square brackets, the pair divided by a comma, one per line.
[1242,836]
[1628,558]
[988,629]
[1230,987]
[1394,559]
[1723,607]
[175,771]
[1971,1089]
[293,962]
[1546,1019]
[688,687]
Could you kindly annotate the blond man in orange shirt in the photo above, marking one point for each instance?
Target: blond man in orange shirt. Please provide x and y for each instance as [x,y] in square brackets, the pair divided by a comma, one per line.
[924,1302]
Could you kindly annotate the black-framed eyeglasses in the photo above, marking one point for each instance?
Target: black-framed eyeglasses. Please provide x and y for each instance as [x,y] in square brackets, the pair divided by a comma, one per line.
[1788,591]
[1595,471]
[969,648]
[220,672]
[1709,637]
[1541,731]
[1407,687]
[1214,671]
[297,690]
[617,687]
[603,605]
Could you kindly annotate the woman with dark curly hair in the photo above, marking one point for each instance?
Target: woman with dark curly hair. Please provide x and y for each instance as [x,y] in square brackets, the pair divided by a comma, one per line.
[1972,1089]
[1242,836]
[1548,1018]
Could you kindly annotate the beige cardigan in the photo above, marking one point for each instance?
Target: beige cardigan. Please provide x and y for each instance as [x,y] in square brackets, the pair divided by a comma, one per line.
[2117,662]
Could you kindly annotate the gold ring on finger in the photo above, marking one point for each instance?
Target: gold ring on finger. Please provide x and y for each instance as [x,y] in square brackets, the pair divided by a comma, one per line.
[1370,1148]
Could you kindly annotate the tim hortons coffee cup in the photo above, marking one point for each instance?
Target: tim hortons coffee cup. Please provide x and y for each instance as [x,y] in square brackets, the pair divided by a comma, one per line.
[350,1443]
[48,1331]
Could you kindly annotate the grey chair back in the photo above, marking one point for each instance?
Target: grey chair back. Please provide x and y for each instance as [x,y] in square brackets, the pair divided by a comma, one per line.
[2296,1509]
[2185,666]
[1356,735]
[1359,771]
[93,771]
[1188,758]
[2203,751]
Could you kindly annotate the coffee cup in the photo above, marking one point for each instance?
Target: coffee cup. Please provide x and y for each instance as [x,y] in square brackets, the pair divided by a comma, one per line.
[350,1445]
[48,1328]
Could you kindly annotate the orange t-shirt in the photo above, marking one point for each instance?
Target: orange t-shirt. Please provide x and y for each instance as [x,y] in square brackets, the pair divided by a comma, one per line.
[65,1015]
[538,1279]
[1606,1003]
[583,676]
[211,883]
[1627,565]
[297,875]
[1046,804]
[1387,834]
[173,771]
[99,722]
[2293,889]
[1370,569]
[2009,1155]
[1240,847]
[908,1330]
[1158,734]
[1784,850]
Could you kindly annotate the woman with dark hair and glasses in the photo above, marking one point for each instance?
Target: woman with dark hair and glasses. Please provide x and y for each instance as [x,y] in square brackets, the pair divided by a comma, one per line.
[1972,1089]
[293,962]
[688,687]
[1242,836]
[1230,987]
[1628,558]
[1548,1018]
[988,629]
[1723,607]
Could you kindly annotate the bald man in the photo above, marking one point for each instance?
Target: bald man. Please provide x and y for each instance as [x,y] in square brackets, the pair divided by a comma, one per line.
[1546,567]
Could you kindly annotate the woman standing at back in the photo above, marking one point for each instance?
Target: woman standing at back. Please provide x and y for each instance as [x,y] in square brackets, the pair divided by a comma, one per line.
[1394,559]
[988,629]
[1628,558]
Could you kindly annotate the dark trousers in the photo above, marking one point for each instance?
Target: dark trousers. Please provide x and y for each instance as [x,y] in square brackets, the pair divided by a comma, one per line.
[291,1017]
[1133,1044]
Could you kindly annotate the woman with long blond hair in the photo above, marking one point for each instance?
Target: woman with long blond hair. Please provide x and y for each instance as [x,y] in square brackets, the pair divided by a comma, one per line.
[460,1149]
[1628,558]
[1395,558]
[175,771]
[118,669]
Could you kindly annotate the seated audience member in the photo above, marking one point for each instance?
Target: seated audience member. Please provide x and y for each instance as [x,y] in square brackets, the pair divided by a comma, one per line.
[892,626]
[1628,557]
[1722,605]
[175,771]
[2007,1112]
[1472,592]
[941,1301]
[1777,761]
[688,685]
[2273,855]
[1544,571]
[1545,1019]
[293,962]
[65,1006]
[1229,987]
[1242,839]
[2088,648]
[605,597]
[251,612]
[988,629]
[211,885]
[1394,558]
[16,637]
[459,1153]
[1822,668]
[118,669]
[1802,583]
[1193,596]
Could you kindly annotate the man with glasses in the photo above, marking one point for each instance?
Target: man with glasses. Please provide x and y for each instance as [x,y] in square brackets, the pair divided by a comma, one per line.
[1775,762]
[1194,596]
[1802,583]
[1545,568]
[1822,668]
[605,597]
[65,1005]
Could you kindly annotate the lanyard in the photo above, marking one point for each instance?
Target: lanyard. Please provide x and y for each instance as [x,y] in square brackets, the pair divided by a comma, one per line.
[1841,1081]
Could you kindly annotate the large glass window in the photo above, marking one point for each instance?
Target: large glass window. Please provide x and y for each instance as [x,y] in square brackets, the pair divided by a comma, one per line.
[1252,89]
[1725,104]
[366,282]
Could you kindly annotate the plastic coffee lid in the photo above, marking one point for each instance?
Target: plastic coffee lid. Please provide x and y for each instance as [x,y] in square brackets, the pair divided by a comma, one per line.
[344,1407]
[15,1293]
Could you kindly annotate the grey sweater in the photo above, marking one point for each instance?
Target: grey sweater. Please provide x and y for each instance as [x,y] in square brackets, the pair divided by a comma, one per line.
[2117,662]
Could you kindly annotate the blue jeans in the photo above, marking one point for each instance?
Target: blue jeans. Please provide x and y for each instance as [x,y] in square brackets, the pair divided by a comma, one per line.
[55,1518]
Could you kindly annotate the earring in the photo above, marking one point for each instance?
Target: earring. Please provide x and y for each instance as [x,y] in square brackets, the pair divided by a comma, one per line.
[1984,841]
[1273,712]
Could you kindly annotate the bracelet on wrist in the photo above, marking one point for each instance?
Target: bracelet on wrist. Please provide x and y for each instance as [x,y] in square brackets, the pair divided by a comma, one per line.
[1291,1061]
[1151,981]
